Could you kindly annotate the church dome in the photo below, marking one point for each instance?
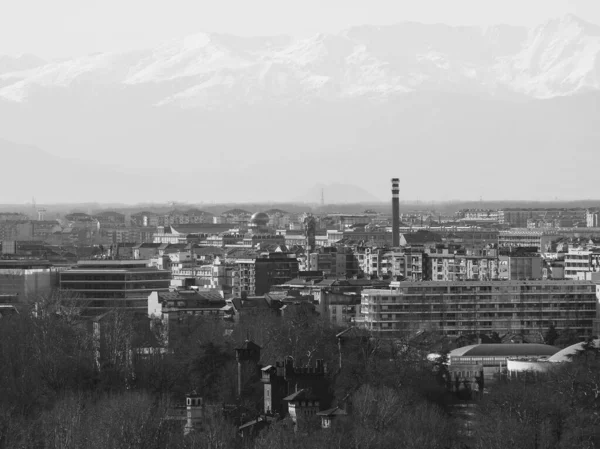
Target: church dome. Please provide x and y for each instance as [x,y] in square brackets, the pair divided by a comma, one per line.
[259,219]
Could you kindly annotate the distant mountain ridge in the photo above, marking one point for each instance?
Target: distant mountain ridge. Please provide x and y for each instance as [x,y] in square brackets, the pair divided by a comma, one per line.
[455,112]
[209,70]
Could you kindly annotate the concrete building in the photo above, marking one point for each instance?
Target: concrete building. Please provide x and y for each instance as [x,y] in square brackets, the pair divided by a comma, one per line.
[110,218]
[26,278]
[257,276]
[579,264]
[102,285]
[592,218]
[520,267]
[527,238]
[342,309]
[467,307]
[517,218]
[440,264]
[405,264]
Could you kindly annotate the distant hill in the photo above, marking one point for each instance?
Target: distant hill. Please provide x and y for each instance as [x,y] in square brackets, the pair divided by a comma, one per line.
[338,194]
[28,171]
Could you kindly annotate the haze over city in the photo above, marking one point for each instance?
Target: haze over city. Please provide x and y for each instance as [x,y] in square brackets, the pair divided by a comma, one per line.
[159,101]
[299,225]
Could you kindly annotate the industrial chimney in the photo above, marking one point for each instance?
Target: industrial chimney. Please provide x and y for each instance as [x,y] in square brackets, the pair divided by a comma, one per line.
[395,212]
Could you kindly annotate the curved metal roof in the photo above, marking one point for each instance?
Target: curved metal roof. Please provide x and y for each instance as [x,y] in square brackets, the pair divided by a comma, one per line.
[504,350]
[564,355]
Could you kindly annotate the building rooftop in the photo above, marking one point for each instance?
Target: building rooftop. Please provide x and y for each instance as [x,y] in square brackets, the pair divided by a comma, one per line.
[504,350]
[333,412]
[565,355]
[112,263]
[301,395]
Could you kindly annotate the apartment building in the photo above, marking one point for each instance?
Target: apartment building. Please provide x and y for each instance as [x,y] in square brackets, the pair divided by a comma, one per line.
[516,267]
[468,307]
[530,238]
[256,276]
[517,218]
[592,218]
[406,264]
[26,278]
[579,264]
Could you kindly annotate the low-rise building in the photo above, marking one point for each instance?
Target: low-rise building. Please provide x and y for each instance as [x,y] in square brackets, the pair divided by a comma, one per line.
[493,358]
[173,308]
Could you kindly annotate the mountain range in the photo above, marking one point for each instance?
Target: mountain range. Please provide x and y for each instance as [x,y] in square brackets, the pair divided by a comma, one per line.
[209,70]
[457,112]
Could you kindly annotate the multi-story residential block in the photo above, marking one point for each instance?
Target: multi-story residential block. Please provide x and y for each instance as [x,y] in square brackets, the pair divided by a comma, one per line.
[592,218]
[540,239]
[373,263]
[26,279]
[518,217]
[256,276]
[469,307]
[324,262]
[579,264]
[405,264]
[216,276]
[514,267]
[101,285]
[342,309]
[479,214]
[144,219]
[443,265]
[13,216]
[278,218]
[110,218]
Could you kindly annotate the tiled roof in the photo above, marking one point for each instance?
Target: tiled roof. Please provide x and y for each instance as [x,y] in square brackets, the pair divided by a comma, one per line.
[301,395]
[333,412]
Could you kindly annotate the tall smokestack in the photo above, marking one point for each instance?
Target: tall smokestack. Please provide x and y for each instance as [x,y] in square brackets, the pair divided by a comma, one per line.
[395,212]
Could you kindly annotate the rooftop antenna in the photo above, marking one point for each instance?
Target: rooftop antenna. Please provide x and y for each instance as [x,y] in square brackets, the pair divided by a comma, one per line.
[322,197]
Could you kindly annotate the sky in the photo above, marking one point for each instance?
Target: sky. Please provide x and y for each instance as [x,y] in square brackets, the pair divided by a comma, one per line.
[66,28]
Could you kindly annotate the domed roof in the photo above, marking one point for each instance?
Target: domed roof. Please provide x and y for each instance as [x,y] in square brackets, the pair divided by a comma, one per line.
[259,218]
[564,355]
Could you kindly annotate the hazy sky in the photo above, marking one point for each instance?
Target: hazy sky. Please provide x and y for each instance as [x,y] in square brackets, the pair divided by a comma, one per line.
[60,28]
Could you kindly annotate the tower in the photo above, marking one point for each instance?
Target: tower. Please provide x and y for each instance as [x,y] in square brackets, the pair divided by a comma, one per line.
[395,212]
[194,412]
[310,231]
[248,352]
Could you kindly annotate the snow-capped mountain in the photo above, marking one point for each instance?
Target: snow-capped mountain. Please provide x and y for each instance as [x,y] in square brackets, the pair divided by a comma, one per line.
[457,112]
[560,57]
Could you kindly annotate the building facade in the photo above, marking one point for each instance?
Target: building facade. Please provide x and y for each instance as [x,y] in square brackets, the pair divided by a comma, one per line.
[102,285]
[469,307]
